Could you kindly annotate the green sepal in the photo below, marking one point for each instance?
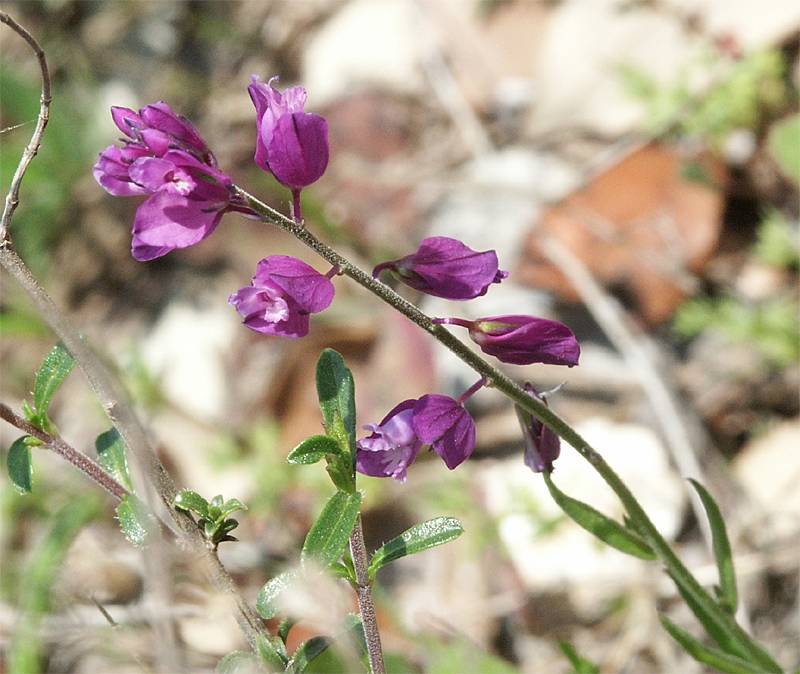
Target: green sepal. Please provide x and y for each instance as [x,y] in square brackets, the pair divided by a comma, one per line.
[313,449]
[329,535]
[727,594]
[418,538]
[20,466]
[269,593]
[708,655]
[136,521]
[607,530]
[191,501]
[112,457]
[336,392]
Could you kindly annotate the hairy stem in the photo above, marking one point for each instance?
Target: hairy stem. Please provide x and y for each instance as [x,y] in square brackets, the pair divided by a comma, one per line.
[365,604]
[499,380]
[90,468]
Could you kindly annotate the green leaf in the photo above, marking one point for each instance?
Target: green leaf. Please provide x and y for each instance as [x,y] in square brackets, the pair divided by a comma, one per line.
[723,629]
[306,652]
[313,449]
[784,145]
[20,466]
[231,506]
[336,393]
[728,597]
[191,501]
[328,537]
[580,665]
[238,662]
[111,453]
[135,521]
[265,604]
[53,371]
[713,657]
[418,538]
[272,653]
[607,530]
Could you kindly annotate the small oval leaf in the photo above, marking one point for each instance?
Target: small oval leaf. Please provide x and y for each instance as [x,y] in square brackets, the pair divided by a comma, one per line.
[728,596]
[238,662]
[265,604]
[53,371]
[306,652]
[418,538]
[20,466]
[328,536]
[232,505]
[135,521]
[708,655]
[111,454]
[607,530]
[191,501]
[313,449]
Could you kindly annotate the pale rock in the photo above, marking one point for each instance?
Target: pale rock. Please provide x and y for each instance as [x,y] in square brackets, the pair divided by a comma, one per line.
[335,60]
[567,556]
[185,351]
[577,80]
[769,470]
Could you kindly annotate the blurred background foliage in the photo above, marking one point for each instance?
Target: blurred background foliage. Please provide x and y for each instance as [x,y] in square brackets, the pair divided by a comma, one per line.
[481,122]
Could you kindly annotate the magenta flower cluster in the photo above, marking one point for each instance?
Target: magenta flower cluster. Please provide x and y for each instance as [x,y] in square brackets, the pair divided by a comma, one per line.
[163,158]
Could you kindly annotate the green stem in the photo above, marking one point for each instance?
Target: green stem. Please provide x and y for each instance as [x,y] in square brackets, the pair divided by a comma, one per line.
[723,621]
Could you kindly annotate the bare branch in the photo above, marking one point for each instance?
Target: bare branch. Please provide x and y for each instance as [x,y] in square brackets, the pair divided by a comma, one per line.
[12,198]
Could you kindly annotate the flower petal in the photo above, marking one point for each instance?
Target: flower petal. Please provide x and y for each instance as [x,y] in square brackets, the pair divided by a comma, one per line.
[168,221]
[298,150]
[311,291]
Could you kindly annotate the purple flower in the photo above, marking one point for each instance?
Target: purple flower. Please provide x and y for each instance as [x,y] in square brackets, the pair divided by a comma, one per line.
[281,296]
[443,423]
[291,144]
[164,157]
[523,340]
[393,445]
[542,446]
[445,267]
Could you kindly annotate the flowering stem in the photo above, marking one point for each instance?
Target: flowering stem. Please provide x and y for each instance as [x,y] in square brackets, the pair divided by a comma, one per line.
[365,604]
[472,390]
[462,322]
[297,211]
[723,622]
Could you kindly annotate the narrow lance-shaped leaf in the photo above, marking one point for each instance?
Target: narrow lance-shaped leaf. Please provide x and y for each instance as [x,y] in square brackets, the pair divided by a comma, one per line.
[707,655]
[53,371]
[112,456]
[20,466]
[721,627]
[313,449]
[306,652]
[328,536]
[728,596]
[135,521]
[607,530]
[418,538]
